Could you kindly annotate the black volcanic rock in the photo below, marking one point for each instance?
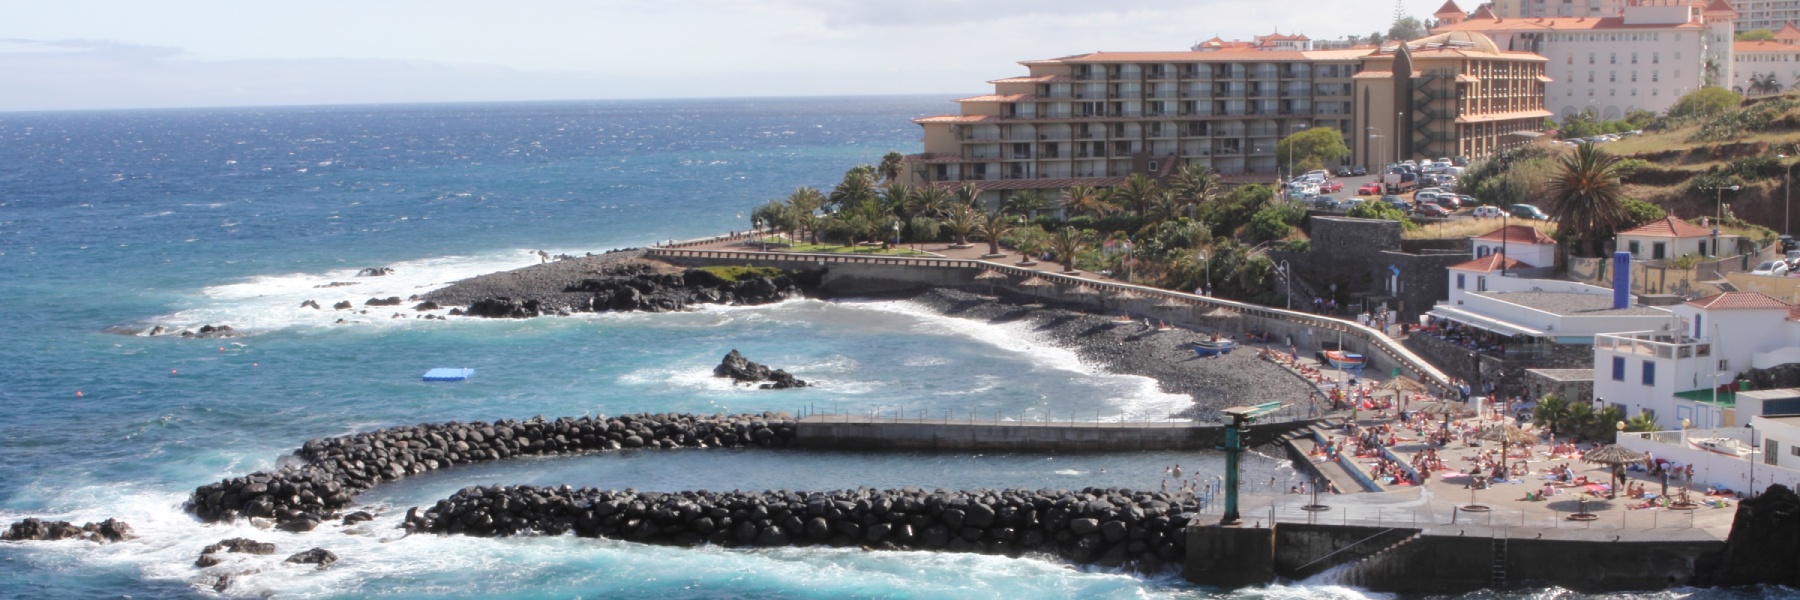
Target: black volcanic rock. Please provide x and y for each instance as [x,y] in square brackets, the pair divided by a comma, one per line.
[616,281]
[34,530]
[315,556]
[1763,547]
[743,370]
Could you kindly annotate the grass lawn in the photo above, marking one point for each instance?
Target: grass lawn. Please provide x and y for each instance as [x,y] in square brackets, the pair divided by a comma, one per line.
[1462,228]
[837,249]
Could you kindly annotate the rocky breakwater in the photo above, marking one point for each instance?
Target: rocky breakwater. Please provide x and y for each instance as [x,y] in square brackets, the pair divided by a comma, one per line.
[34,530]
[325,475]
[1763,547]
[621,281]
[1110,527]
[744,370]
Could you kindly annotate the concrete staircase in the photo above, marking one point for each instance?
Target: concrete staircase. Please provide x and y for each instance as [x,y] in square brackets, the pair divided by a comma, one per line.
[1352,573]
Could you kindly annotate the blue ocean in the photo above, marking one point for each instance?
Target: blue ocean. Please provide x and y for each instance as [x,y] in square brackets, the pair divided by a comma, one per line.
[113,223]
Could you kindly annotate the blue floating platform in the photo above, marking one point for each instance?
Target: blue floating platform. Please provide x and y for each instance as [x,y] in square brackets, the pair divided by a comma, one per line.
[444,374]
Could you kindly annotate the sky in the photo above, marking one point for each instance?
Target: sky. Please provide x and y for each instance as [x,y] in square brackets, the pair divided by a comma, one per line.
[110,54]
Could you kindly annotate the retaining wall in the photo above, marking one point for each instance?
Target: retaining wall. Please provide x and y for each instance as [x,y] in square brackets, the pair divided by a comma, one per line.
[867,434]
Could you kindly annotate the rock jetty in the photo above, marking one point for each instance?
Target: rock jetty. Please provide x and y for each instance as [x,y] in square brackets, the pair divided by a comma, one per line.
[1763,547]
[744,370]
[33,530]
[618,281]
[1109,527]
[209,556]
[325,475]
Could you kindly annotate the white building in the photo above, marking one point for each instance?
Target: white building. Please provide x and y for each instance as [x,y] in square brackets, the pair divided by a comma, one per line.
[1671,238]
[1523,9]
[1496,292]
[1776,62]
[1521,242]
[1685,369]
[1765,14]
[1644,58]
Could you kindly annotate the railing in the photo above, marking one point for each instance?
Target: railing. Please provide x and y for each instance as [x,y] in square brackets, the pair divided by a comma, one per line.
[1374,340]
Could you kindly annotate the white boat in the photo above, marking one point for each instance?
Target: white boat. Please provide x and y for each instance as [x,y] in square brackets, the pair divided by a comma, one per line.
[1721,445]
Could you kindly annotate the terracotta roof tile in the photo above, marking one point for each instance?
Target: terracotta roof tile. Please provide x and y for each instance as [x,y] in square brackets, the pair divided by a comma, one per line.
[1033,184]
[1505,116]
[1739,301]
[1449,8]
[1669,227]
[1720,6]
[1491,262]
[1762,46]
[955,119]
[999,98]
[1517,233]
[1493,24]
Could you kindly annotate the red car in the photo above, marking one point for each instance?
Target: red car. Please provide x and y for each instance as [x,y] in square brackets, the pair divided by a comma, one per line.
[1331,186]
[1368,189]
[1432,210]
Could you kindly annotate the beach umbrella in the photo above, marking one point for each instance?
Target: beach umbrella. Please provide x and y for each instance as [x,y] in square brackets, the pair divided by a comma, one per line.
[1617,457]
[1446,410]
[1171,303]
[1033,283]
[1399,386]
[1507,435]
[1080,290]
[990,277]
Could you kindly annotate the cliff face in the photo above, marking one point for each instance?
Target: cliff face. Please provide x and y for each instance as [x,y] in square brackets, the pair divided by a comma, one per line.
[1764,545]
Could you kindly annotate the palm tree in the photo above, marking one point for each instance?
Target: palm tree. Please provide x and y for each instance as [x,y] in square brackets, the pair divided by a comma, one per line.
[1168,205]
[994,225]
[1196,184]
[897,198]
[969,195]
[805,202]
[961,220]
[1024,203]
[1551,411]
[1066,243]
[930,201]
[858,185]
[1083,199]
[1586,198]
[1137,192]
[892,165]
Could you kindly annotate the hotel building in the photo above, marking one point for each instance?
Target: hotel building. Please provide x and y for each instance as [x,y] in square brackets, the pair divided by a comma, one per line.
[1646,58]
[1777,61]
[1451,94]
[1765,14]
[1097,118]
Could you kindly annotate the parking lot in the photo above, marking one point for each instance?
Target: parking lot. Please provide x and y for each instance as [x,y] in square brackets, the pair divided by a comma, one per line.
[1351,185]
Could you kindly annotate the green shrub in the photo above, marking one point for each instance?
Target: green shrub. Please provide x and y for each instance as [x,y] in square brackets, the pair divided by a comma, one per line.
[733,274]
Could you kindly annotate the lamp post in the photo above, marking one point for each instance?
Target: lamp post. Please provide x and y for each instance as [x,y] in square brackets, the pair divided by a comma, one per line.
[1719,207]
[1399,118]
[896,233]
[1752,427]
[756,230]
[1208,266]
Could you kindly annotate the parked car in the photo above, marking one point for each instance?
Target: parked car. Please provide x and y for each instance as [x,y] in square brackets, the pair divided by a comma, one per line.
[1369,189]
[1488,212]
[1467,200]
[1428,209]
[1342,171]
[1346,204]
[1460,161]
[1793,260]
[1788,244]
[1321,174]
[1447,201]
[1358,171]
[1398,203]
[1777,268]
[1528,211]
[1332,186]
[1324,202]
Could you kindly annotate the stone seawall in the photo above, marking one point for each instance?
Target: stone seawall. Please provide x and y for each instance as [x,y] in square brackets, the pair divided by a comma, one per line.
[949,435]
[325,475]
[1110,527]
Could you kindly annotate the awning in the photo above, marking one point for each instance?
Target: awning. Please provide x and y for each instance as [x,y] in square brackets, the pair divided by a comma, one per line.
[1499,326]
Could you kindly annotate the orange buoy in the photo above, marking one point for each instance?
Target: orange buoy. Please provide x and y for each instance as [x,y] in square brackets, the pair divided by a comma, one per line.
[77,393]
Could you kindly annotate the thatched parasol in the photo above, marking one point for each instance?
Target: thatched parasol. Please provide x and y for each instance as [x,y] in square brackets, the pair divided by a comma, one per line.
[1400,386]
[1127,295]
[1033,283]
[1617,457]
[1171,303]
[1080,290]
[1508,436]
[990,277]
[1446,410]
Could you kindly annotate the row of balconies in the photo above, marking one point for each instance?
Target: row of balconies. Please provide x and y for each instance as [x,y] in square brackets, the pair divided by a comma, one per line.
[1206,75]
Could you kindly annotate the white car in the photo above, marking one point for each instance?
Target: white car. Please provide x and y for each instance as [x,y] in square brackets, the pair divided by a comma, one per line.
[1771,267]
[1489,212]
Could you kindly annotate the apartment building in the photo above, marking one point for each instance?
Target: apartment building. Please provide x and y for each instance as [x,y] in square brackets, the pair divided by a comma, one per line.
[1766,14]
[1097,118]
[1527,9]
[1646,58]
[1764,67]
[1451,94]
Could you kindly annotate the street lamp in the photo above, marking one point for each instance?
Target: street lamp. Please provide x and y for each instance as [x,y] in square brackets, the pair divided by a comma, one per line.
[1399,118]
[1719,205]
[1208,266]
[1752,457]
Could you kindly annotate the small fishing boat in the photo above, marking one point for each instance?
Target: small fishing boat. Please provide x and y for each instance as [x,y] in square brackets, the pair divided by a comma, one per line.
[1344,360]
[1725,446]
[1214,347]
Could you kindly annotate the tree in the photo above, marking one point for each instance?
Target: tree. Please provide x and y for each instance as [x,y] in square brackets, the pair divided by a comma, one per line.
[1380,210]
[1405,27]
[1756,35]
[806,202]
[994,225]
[1197,184]
[960,220]
[897,198]
[969,195]
[929,201]
[858,185]
[1641,213]
[1320,144]
[1137,193]
[1083,199]
[1024,203]
[1066,243]
[1552,410]
[892,165]
[1587,199]
[1641,422]
[1268,224]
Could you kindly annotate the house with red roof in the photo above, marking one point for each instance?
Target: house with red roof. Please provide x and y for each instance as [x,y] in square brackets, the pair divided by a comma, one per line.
[1686,369]
[1532,247]
[1670,238]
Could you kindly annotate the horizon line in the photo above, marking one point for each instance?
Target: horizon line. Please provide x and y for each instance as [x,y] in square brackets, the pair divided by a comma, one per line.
[440,103]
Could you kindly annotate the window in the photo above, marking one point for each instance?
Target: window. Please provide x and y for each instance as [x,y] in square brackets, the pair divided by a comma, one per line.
[1654,76]
[1618,368]
[1634,78]
[1656,58]
[1459,280]
[1612,76]
[1649,373]
[1481,283]
[1590,58]
[1613,60]
[1698,329]
[1632,247]
[1590,77]
[1658,250]
[1724,364]
[1634,58]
